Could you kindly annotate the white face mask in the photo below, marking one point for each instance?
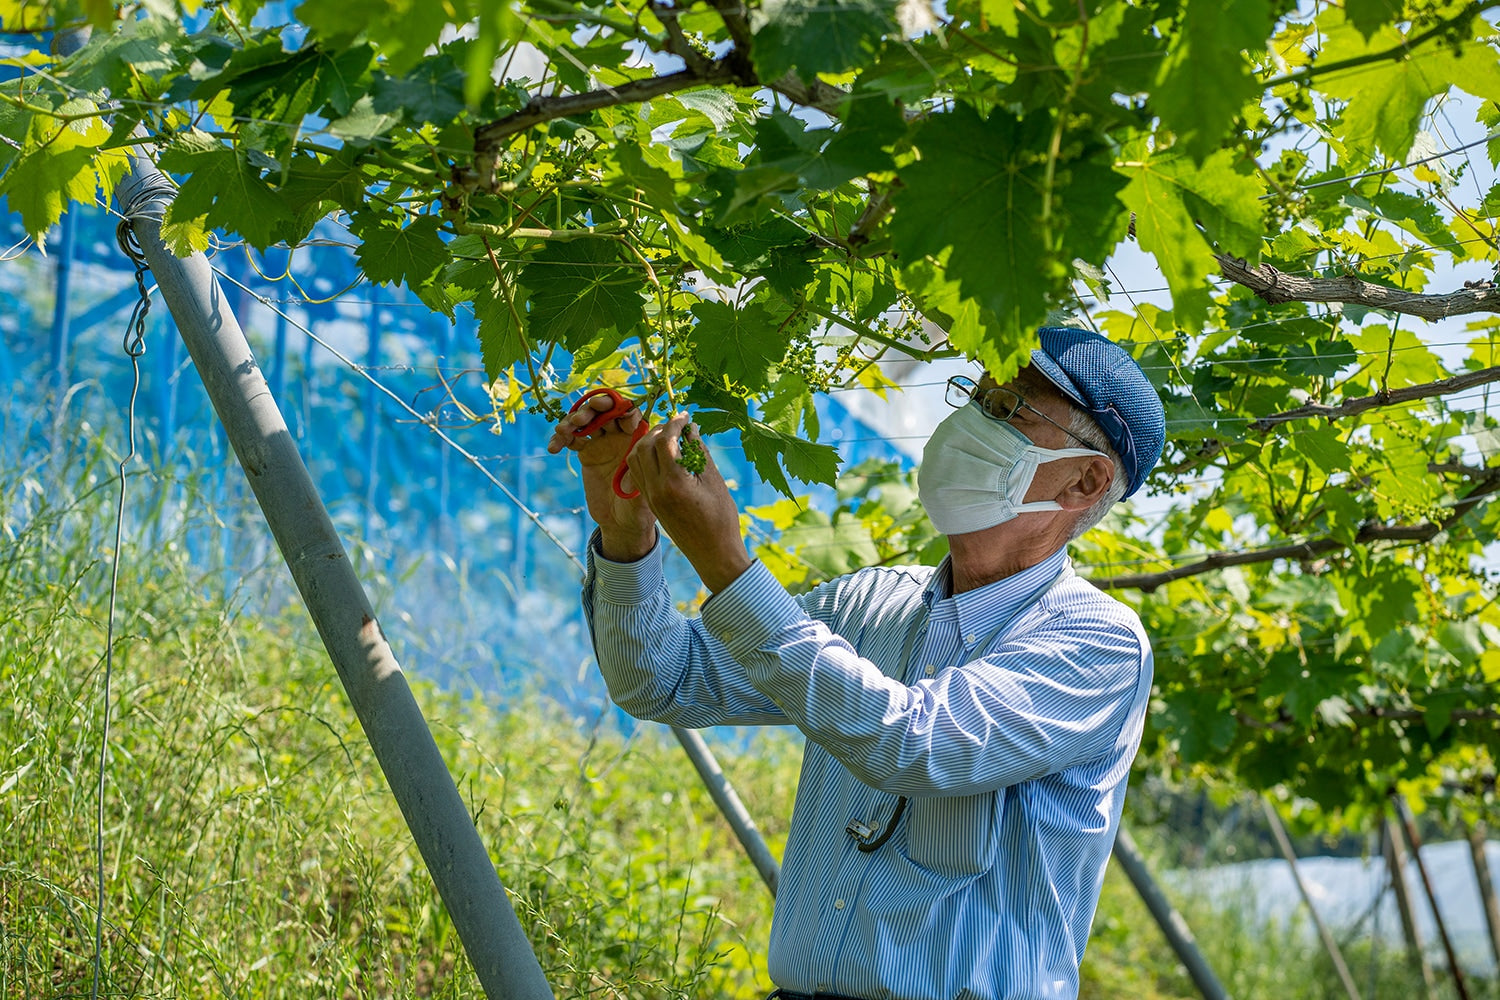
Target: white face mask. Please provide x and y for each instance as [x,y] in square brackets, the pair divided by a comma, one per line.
[976,471]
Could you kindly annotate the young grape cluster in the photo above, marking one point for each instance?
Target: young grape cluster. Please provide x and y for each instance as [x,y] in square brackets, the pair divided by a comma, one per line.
[691,455]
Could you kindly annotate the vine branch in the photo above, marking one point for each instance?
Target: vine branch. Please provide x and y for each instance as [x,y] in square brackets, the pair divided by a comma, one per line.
[678,44]
[1276,287]
[1395,53]
[1350,407]
[489,138]
[1387,397]
[732,68]
[1370,531]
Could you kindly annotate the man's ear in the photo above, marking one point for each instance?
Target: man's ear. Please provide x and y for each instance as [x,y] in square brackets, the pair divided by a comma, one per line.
[1089,485]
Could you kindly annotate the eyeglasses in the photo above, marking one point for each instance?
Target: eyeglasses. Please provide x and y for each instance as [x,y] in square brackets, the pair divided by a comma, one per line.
[1000,404]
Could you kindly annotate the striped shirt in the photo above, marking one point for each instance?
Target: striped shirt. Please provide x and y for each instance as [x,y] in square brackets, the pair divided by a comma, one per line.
[1007,716]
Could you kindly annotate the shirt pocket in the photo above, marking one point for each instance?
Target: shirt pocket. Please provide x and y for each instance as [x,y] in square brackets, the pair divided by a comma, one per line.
[953,835]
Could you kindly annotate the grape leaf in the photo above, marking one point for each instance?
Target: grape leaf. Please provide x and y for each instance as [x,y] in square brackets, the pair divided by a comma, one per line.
[223,187]
[742,344]
[502,337]
[822,159]
[808,37]
[1418,216]
[769,449]
[312,183]
[60,163]
[976,192]
[401,29]
[390,252]
[1168,194]
[363,123]
[790,407]
[1205,78]
[341,77]
[187,237]
[778,250]
[111,59]
[1369,16]
[978,189]
[433,92]
[718,107]
[580,290]
[40,185]
[1387,98]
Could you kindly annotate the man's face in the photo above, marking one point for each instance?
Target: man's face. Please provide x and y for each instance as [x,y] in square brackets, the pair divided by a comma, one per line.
[1041,396]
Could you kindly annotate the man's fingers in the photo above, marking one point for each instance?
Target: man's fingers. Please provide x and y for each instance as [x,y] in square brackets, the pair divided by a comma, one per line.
[654,458]
[710,467]
[668,441]
[566,434]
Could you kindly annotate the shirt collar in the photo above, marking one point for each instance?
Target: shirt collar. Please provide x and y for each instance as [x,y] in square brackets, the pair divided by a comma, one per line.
[985,609]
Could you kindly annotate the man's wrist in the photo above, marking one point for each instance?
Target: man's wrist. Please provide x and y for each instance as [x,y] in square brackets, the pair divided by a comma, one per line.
[720,572]
[626,546]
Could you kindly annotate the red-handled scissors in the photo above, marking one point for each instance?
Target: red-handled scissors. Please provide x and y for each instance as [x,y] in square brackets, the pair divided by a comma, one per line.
[619,407]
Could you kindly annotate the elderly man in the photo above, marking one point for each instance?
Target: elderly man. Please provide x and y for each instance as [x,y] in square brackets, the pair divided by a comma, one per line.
[969,728]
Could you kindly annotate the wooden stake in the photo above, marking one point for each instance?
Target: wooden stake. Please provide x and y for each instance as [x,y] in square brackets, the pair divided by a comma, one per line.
[1167,917]
[1329,944]
[1477,835]
[1408,823]
[1395,865]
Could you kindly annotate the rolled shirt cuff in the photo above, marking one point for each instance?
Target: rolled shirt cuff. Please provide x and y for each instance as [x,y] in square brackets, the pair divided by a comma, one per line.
[625,582]
[751,612]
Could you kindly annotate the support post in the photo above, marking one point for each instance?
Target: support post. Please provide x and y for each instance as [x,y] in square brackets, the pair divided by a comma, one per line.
[729,804]
[372,416]
[1414,840]
[278,371]
[414,768]
[57,372]
[1167,917]
[1477,837]
[1284,844]
[1395,862]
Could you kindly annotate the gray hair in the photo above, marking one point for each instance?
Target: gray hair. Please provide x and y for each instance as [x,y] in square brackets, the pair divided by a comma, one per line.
[1081,425]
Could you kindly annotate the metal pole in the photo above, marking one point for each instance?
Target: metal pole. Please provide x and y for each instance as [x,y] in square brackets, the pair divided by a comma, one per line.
[1167,917]
[372,415]
[278,373]
[1409,824]
[1284,843]
[414,768]
[61,331]
[729,804]
[58,370]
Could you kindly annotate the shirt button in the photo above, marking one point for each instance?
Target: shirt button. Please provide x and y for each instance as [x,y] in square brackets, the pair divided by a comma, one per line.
[931,670]
[970,639]
[838,904]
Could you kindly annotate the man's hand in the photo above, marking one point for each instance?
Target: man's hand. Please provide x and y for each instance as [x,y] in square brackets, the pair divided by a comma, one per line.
[696,510]
[627,529]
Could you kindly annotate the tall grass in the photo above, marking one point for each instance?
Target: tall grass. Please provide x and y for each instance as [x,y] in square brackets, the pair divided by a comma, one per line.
[251,848]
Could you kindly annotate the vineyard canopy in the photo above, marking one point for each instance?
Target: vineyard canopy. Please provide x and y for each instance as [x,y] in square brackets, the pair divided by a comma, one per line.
[734,208]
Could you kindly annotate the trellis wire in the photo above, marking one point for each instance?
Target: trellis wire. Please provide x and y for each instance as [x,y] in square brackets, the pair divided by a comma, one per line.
[134,347]
[424,419]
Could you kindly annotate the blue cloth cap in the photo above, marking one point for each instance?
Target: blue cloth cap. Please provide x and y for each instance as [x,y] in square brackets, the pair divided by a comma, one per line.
[1105,382]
